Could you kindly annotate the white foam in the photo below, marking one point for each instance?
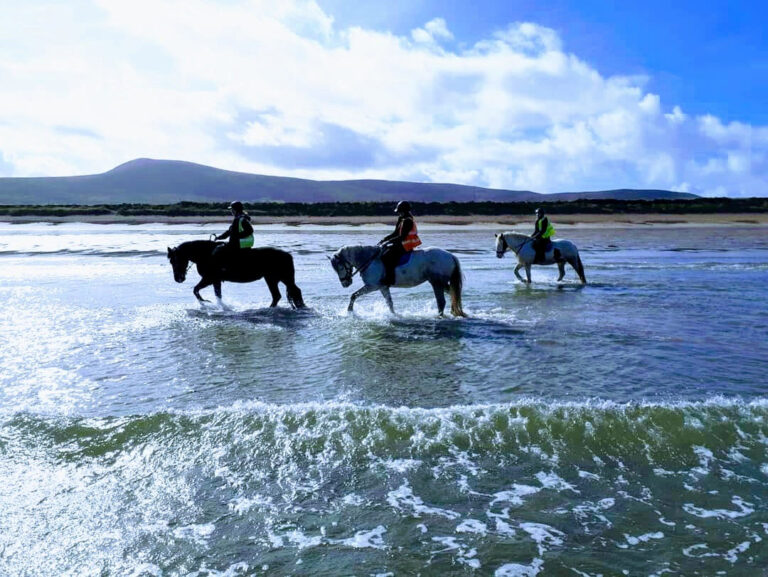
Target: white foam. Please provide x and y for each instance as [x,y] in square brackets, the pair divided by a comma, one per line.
[297,537]
[543,535]
[465,557]
[732,554]
[472,526]
[402,465]
[632,540]
[372,539]
[353,499]
[744,510]
[514,495]
[197,533]
[517,570]
[552,480]
[588,475]
[403,497]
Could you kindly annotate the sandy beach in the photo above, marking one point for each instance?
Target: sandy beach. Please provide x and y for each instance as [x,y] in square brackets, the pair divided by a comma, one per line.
[592,220]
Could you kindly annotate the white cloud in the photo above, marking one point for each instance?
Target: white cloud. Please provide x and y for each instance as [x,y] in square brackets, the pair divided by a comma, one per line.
[277,88]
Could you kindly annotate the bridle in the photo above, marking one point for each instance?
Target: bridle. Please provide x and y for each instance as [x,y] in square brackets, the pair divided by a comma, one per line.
[505,245]
[189,262]
[349,268]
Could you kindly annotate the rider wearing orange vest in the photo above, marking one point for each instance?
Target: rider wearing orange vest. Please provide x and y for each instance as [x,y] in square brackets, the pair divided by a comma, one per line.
[395,245]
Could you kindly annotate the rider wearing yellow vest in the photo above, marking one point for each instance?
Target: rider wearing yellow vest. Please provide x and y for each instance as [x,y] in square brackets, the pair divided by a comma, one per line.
[239,233]
[542,233]
[404,239]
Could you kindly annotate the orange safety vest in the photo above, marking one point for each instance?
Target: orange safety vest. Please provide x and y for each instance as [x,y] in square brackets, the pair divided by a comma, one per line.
[412,240]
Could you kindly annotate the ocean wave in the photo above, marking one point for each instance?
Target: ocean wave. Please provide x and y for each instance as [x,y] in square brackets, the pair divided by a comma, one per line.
[452,486]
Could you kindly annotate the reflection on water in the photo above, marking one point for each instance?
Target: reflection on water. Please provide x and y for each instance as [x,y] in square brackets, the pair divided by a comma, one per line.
[561,429]
[117,335]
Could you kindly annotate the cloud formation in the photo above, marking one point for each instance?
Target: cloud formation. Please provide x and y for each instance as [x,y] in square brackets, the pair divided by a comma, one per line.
[277,88]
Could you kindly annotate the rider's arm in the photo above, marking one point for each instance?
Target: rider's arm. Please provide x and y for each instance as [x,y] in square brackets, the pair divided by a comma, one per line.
[391,236]
[404,230]
[224,235]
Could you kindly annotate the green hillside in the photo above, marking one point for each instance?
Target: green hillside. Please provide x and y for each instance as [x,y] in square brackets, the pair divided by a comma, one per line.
[146,181]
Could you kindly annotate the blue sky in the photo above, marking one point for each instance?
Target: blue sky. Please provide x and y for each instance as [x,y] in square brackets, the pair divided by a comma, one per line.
[551,97]
[710,57]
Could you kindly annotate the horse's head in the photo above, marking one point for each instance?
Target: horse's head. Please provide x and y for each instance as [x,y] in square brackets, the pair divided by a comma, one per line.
[343,268]
[501,245]
[179,264]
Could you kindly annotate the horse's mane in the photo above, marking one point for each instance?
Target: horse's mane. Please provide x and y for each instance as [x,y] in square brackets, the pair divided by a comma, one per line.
[519,235]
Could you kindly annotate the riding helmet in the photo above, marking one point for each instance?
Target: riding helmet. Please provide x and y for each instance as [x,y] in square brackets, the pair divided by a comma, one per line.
[237,206]
[403,206]
[539,212]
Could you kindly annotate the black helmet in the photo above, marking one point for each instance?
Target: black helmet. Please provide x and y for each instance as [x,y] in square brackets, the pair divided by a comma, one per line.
[237,206]
[403,206]
[539,211]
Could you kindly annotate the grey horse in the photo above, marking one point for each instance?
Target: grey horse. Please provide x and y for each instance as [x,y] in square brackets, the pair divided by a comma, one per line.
[438,267]
[559,253]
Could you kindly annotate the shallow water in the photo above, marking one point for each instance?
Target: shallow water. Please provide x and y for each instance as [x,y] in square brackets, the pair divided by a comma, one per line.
[617,427]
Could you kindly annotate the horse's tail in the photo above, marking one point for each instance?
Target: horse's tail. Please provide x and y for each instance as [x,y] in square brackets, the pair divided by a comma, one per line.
[291,288]
[456,282]
[580,269]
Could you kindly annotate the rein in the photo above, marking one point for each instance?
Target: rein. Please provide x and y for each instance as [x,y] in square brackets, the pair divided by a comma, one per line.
[359,269]
[517,248]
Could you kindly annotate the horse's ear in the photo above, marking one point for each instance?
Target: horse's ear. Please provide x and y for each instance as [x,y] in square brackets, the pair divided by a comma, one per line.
[329,258]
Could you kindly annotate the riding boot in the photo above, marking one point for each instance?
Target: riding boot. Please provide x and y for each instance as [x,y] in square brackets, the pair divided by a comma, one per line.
[389,275]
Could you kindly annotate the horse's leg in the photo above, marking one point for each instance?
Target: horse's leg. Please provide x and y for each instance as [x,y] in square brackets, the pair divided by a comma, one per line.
[387,297]
[217,291]
[204,282]
[439,296]
[517,271]
[561,268]
[528,273]
[360,292]
[274,290]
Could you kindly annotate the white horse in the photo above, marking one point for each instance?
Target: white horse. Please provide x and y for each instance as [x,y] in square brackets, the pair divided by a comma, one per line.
[559,252]
[438,267]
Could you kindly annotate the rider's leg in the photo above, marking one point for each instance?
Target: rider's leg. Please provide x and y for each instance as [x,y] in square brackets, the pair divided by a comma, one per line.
[389,259]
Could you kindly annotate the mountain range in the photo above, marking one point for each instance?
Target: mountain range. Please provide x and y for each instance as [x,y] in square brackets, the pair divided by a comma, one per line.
[149,181]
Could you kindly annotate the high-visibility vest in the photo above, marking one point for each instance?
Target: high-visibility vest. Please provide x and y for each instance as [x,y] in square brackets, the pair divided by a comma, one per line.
[412,240]
[247,241]
[550,229]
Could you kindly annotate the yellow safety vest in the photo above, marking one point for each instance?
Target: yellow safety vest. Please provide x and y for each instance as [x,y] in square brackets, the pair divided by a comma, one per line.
[245,242]
[550,229]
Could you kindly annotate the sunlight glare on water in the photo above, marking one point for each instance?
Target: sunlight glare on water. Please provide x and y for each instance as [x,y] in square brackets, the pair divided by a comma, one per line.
[616,428]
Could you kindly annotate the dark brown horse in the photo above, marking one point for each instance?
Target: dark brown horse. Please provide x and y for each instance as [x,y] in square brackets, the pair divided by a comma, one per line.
[247,265]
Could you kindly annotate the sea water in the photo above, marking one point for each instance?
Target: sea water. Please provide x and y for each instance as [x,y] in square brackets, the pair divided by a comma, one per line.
[619,428]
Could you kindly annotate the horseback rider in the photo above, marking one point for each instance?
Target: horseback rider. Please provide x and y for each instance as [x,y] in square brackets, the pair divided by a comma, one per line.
[239,233]
[404,239]
[542,233]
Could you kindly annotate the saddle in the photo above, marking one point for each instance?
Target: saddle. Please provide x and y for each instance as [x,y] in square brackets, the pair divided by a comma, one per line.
[541,255]
[404,259]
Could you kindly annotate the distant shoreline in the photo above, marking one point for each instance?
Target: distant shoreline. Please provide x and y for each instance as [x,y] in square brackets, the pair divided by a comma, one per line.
[619,220]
